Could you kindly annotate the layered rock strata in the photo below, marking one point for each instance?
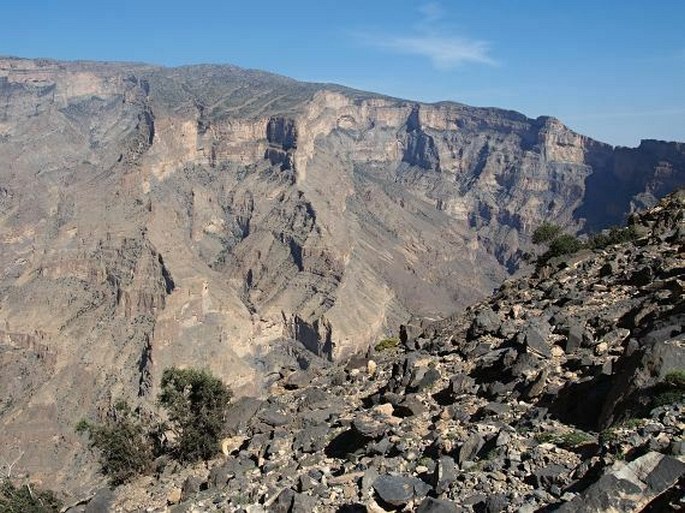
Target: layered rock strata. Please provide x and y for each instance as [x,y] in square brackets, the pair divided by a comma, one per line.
[198,216]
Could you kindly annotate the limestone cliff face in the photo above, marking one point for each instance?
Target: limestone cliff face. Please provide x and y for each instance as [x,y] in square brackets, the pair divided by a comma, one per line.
[152,217]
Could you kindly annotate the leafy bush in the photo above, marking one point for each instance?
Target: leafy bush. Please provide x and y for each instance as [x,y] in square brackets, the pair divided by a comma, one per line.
[24,499]
[613,235]
[387,343]
[558,243]
[196,403]
[124,442]
[545,233]
[564,244]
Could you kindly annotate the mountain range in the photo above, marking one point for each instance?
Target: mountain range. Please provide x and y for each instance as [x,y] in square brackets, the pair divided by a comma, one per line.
[217,217]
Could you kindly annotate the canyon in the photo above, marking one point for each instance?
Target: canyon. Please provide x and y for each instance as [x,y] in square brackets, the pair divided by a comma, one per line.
[241,221]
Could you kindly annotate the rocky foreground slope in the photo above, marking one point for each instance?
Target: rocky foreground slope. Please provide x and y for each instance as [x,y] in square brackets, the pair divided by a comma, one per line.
[561,392]
[201,216]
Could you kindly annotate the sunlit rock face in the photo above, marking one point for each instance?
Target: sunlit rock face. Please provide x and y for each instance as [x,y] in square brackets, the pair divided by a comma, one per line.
[199,216]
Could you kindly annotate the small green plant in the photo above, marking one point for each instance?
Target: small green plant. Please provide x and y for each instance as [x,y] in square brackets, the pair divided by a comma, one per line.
[671,390]
[612,435]
[425,461]
[569,440]
[124,442]
[608,437]
[632,423]
[196,403]
[676,379]
[240,499]
[24,499]
[387,343]
[545,438]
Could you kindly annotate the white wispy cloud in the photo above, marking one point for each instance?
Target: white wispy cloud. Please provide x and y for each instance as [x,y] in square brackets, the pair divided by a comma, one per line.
[444,52]
[429,39]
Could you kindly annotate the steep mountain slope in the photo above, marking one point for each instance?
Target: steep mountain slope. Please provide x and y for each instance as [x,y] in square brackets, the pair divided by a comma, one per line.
[564,389]
[200,215]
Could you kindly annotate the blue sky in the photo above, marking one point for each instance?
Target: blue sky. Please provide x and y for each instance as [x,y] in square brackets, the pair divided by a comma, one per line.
[611,69]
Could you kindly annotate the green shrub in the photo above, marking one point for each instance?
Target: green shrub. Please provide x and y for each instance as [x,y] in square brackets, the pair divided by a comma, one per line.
[671,390]
[668,397]
[24,499]
[387,343]
[124,442]
[676,379]
[613,235]
[557,242]
[564,244]
[196,403]
[546,232]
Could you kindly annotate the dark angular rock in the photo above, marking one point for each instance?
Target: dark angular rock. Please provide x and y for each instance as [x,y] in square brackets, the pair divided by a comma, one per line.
[219,476]
[101,502]
[347,443]
[399,490]
[470,448]
[298,379]
[485,321]
[409,407]
[431,505]
[677,448]
[628,488]
[461,384]
[369,428]
[496,503]
[429,378]
[608,269]
[641,277]
[191,486]
[316,398]
[382,446]
[574,337]
[306,482]
[445,474]
[311,439]
[548,476]
[274,417]
[240,412]
[536,339]
[476,501]
[495,408]
[369,477]
[314,417]
[284,502]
